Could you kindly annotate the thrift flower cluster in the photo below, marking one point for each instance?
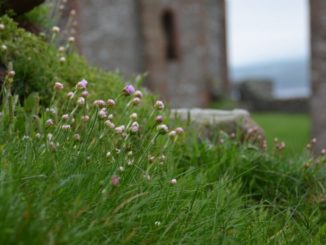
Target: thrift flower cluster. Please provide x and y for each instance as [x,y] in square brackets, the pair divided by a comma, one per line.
[128,137]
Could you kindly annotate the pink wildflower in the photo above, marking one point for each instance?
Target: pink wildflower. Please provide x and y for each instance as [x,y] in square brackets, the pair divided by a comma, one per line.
[128,90]
[84,93]
[49,122]
[159,119]
[134,127]
[66,127]
[70,95]
[99,103]
[115,180]
[179,130]
[82,84]
[58,86]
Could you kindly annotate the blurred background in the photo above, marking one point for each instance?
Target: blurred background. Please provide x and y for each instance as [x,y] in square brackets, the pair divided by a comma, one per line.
[221,54]
[270,40]
[265,56]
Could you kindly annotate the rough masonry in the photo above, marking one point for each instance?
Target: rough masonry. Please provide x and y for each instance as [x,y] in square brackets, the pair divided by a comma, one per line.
[180,43]
[318,71]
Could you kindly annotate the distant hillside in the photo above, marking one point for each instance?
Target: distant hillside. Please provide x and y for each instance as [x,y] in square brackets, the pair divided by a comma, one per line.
[291,77]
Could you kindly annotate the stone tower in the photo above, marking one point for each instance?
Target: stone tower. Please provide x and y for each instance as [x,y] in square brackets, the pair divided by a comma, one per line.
[318,70]
[180,43]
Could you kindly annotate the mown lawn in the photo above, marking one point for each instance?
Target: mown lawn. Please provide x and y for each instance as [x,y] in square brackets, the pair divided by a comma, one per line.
[294,130]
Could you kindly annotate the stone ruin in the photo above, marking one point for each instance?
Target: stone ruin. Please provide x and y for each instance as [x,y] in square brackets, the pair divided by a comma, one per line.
[318,71]
[181,44]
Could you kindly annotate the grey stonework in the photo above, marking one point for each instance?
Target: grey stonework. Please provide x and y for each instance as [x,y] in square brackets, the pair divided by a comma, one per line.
[109,34]
[209,122]
[131,35]
[318,71]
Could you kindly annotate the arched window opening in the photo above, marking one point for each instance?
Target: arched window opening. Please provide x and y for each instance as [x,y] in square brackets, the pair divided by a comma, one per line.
[169,29]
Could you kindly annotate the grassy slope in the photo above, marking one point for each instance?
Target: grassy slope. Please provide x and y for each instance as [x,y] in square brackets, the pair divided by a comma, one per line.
[59,190]
[294,130]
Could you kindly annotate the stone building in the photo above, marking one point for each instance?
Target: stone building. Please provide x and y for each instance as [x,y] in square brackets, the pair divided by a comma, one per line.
[180,43]
[318,71]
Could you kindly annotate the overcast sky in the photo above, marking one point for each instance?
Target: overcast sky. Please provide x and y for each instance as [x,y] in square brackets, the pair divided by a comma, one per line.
[267,30]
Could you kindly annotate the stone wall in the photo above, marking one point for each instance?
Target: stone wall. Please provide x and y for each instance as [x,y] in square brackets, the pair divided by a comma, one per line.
[129,35]
[318,70]
[200,68]
[109,34]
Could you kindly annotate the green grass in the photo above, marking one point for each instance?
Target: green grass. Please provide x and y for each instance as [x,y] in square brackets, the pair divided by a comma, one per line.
[58,185]
[293,129]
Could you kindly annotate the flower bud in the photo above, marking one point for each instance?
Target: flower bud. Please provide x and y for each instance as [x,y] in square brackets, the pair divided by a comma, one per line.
[81,101]
[179,131]
[120,129]
[136,101]
[162,158]
[77,137]
[173,134]
[4,47]
[55,29]
[49,122]
[62,59]
[138,94]
[85,118]
[159,105]
[61,49]
[163,129]
[173,181]
[49,137]
[102,113]
[71,39]
[2,27]
[11,74]
[84,93]
[323,152]
[134,116]
[159,119]
[72,12]
[99,103]
[134,127]
[58,86]
[110,103]
[70,95]
[115,180]
[109,124]
[66,127]
[65,117]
